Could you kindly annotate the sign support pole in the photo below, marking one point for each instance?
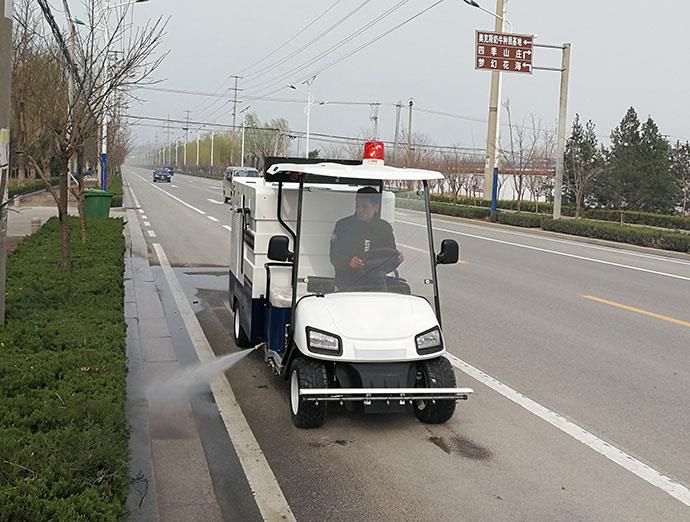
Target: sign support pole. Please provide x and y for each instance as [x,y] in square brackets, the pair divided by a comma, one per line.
[493,136]
[560,144]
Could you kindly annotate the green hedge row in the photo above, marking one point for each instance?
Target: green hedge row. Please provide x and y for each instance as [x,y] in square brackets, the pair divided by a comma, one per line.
[639,218]
[63,429]
[519,219]
[31,186]
[115,188]
[648,237]
[627,216]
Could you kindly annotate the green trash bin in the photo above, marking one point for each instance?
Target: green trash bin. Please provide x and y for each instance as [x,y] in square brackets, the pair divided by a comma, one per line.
[97,203]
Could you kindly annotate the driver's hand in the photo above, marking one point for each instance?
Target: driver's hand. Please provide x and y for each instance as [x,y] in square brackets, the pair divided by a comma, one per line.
[356,262]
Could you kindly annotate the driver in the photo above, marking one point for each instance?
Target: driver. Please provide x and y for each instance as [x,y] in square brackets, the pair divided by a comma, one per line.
[354,237]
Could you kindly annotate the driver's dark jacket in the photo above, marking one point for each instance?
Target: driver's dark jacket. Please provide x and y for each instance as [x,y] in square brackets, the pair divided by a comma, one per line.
[353,237]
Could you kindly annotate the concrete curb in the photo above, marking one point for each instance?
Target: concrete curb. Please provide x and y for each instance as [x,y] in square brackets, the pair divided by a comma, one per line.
[172,480]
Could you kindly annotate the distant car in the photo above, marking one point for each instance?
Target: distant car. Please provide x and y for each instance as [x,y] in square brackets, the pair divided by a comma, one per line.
[230,172]
[161,175]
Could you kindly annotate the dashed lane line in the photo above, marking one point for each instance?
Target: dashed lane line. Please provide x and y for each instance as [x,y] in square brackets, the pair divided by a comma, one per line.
[179,200]
[215,220]
[227,227]
[554,252]
[147,224]
[215,202]
[638,468]
[151,233]
[267,493]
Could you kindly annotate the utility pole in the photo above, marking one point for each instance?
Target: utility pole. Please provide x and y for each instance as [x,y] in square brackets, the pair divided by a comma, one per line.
[186,139]
[398,108]
[493,136]
[375,118]
[409,134]
[197,147]
[212,139]
[234,101]
[177,144]
[5,85]
[560,143]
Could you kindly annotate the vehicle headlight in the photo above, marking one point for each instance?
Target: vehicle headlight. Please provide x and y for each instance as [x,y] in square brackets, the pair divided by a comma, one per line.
[322,342]
[429,341]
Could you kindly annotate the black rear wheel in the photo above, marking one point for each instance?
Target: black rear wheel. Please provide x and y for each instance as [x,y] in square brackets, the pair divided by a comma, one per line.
[435,373]
[307,373]
[238,334]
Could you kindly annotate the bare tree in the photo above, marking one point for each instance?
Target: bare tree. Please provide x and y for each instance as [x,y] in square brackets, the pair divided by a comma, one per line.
[521,151]
[86,77]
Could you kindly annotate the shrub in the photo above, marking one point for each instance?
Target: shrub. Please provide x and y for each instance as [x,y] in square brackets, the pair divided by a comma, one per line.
[520,219]
[63,428]
[31,186]
[115,188]
[648,237]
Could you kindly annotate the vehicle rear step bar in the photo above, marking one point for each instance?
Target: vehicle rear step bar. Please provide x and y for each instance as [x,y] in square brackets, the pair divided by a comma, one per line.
[384,394]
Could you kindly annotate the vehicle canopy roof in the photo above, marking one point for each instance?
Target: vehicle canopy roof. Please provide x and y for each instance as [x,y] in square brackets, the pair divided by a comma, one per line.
[364,172]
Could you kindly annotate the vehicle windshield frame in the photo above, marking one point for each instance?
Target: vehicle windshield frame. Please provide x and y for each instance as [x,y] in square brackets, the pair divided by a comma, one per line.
[303,180]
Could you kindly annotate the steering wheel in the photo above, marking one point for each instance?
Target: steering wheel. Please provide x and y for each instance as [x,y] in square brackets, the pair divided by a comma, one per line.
[382,261]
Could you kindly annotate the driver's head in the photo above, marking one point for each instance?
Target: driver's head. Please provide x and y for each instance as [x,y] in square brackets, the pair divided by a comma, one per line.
[367,203]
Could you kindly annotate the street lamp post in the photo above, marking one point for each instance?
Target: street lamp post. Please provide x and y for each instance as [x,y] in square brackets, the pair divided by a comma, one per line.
[310,101]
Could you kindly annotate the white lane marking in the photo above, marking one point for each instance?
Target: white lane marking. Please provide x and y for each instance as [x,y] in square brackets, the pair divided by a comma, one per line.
[215,201]
[151,233]
[179,200]
[143,216]
[227,227]
[147,224]
[215,220]
[136,201]
[642,470]
[173,186]
[555,252]
[613,250]
[267,493]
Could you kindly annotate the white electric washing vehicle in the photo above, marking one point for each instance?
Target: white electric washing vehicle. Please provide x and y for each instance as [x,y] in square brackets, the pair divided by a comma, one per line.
[371,340]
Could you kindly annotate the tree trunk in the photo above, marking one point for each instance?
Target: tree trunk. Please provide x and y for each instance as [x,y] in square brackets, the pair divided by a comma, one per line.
[578,203]
[66,253]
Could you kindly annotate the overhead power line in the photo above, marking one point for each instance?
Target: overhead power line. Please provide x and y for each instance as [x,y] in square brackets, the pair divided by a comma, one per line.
[349,139]
[282,46]
[312,41]
[284,76]
[361,47]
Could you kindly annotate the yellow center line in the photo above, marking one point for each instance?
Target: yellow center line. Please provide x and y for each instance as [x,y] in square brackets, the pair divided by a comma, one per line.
[638,311]
[421,250]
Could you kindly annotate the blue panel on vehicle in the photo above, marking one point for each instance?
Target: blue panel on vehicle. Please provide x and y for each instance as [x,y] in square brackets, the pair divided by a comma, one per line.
[278,318]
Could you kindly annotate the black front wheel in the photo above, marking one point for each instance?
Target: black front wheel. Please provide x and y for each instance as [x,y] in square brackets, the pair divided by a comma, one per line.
[307,373]
[435,373]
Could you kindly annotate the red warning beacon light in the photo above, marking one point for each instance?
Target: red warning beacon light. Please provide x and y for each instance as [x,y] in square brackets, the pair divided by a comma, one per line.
[373,153]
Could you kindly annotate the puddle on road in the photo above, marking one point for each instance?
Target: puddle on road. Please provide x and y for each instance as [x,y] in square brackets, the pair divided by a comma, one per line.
[461,446]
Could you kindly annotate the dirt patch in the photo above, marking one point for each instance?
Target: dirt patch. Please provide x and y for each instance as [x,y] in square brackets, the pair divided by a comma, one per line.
[461,446]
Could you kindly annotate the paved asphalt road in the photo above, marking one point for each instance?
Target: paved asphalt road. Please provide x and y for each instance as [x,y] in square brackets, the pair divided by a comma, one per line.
[596,336]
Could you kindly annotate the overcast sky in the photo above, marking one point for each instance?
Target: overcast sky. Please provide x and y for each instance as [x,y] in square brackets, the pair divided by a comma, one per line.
[624,53]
